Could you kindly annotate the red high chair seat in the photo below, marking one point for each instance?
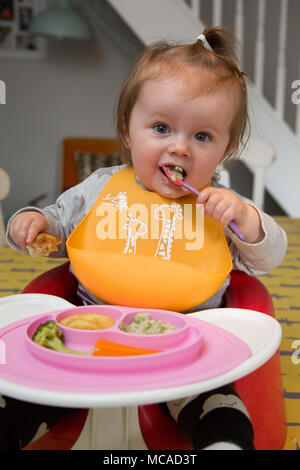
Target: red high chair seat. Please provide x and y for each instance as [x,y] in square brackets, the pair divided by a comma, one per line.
[261,391]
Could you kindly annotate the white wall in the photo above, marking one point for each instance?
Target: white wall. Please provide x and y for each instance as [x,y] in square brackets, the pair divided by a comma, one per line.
[70,93]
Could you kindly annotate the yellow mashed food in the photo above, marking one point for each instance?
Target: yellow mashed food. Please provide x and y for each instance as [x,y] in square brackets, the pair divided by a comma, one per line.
[88,321]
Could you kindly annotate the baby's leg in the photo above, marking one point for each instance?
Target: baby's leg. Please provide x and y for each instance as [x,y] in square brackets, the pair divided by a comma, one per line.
[21,422]
[216,419]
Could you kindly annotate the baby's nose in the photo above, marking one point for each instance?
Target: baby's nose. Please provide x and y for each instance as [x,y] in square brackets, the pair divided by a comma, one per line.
[179,147]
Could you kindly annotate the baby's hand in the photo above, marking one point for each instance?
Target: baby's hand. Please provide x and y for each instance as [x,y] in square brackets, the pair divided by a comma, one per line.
[223,205]
[25,226]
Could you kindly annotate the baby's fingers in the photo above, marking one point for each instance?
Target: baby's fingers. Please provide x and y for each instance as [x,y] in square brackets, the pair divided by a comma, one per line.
[18,232]
[205,195]
[32,232]
[211,198]
[37,225]
[24,228]
[219,204]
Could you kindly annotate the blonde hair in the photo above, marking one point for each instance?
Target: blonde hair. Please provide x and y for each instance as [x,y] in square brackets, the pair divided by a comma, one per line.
[164,57]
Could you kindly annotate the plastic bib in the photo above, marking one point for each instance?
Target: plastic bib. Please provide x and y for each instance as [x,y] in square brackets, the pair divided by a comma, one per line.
[139,249]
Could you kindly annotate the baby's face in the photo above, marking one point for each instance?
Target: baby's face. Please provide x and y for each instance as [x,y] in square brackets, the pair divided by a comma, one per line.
[170,127]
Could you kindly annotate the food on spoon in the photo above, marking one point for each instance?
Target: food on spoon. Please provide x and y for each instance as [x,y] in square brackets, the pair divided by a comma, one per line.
[175,172]
[88,321]
[50,336]
[43,245]
[143,325]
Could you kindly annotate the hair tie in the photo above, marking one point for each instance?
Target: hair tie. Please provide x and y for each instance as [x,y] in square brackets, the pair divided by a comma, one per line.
[206,44]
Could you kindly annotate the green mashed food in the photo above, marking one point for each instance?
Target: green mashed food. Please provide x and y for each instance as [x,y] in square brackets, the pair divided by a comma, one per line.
[143,325]
[177,172]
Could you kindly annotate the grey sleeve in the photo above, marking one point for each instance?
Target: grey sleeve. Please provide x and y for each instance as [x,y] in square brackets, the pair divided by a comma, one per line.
[262,257]
[70,207]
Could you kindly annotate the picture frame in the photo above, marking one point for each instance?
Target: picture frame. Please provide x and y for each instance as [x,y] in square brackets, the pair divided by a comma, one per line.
[15,40]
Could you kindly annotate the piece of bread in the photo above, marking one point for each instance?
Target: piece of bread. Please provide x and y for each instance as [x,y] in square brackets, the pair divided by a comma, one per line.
[43,245]
[88,321]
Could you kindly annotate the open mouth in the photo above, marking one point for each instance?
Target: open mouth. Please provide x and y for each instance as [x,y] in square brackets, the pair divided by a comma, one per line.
[177,172]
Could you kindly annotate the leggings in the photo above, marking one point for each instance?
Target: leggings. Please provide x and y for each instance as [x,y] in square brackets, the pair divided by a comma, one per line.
[217,416]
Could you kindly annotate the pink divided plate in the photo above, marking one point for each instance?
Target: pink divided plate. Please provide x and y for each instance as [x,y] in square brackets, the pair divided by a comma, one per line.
[194,351]
[175,348]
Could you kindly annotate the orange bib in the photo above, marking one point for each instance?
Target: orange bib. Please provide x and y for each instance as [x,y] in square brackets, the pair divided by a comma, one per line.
[139,249]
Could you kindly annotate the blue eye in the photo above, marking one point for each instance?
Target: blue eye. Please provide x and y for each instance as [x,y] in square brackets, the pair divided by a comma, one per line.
[202,137]
[161,128]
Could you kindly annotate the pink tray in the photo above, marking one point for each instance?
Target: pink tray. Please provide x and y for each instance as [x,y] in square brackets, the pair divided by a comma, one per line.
[176,348]
[196,351]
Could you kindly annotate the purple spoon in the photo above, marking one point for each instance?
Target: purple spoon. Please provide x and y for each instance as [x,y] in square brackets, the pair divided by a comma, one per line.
[178,182]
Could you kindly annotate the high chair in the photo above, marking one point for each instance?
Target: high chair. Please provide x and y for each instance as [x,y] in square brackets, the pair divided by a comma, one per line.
[261,391]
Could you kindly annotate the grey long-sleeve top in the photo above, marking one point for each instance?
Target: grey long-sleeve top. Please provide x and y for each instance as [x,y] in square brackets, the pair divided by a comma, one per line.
[73,205]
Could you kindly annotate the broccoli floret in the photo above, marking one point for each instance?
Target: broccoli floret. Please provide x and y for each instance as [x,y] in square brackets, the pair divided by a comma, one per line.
[47,330]
[49,335]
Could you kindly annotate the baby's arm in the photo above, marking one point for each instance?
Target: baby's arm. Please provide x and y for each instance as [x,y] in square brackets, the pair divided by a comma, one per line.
[224,206]
[25,226]
[58,219]
[61,218]
[266,242]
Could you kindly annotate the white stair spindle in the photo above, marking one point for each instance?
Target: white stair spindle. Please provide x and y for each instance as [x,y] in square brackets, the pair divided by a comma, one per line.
[258,190]
[195,6]
[217,12]
[295,96]
[239,25]
[260,46]
[281,65]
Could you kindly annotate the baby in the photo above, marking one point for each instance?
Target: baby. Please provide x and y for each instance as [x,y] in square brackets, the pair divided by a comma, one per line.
[183,106]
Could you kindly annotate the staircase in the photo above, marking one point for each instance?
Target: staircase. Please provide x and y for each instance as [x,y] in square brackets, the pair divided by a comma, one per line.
[274,112]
